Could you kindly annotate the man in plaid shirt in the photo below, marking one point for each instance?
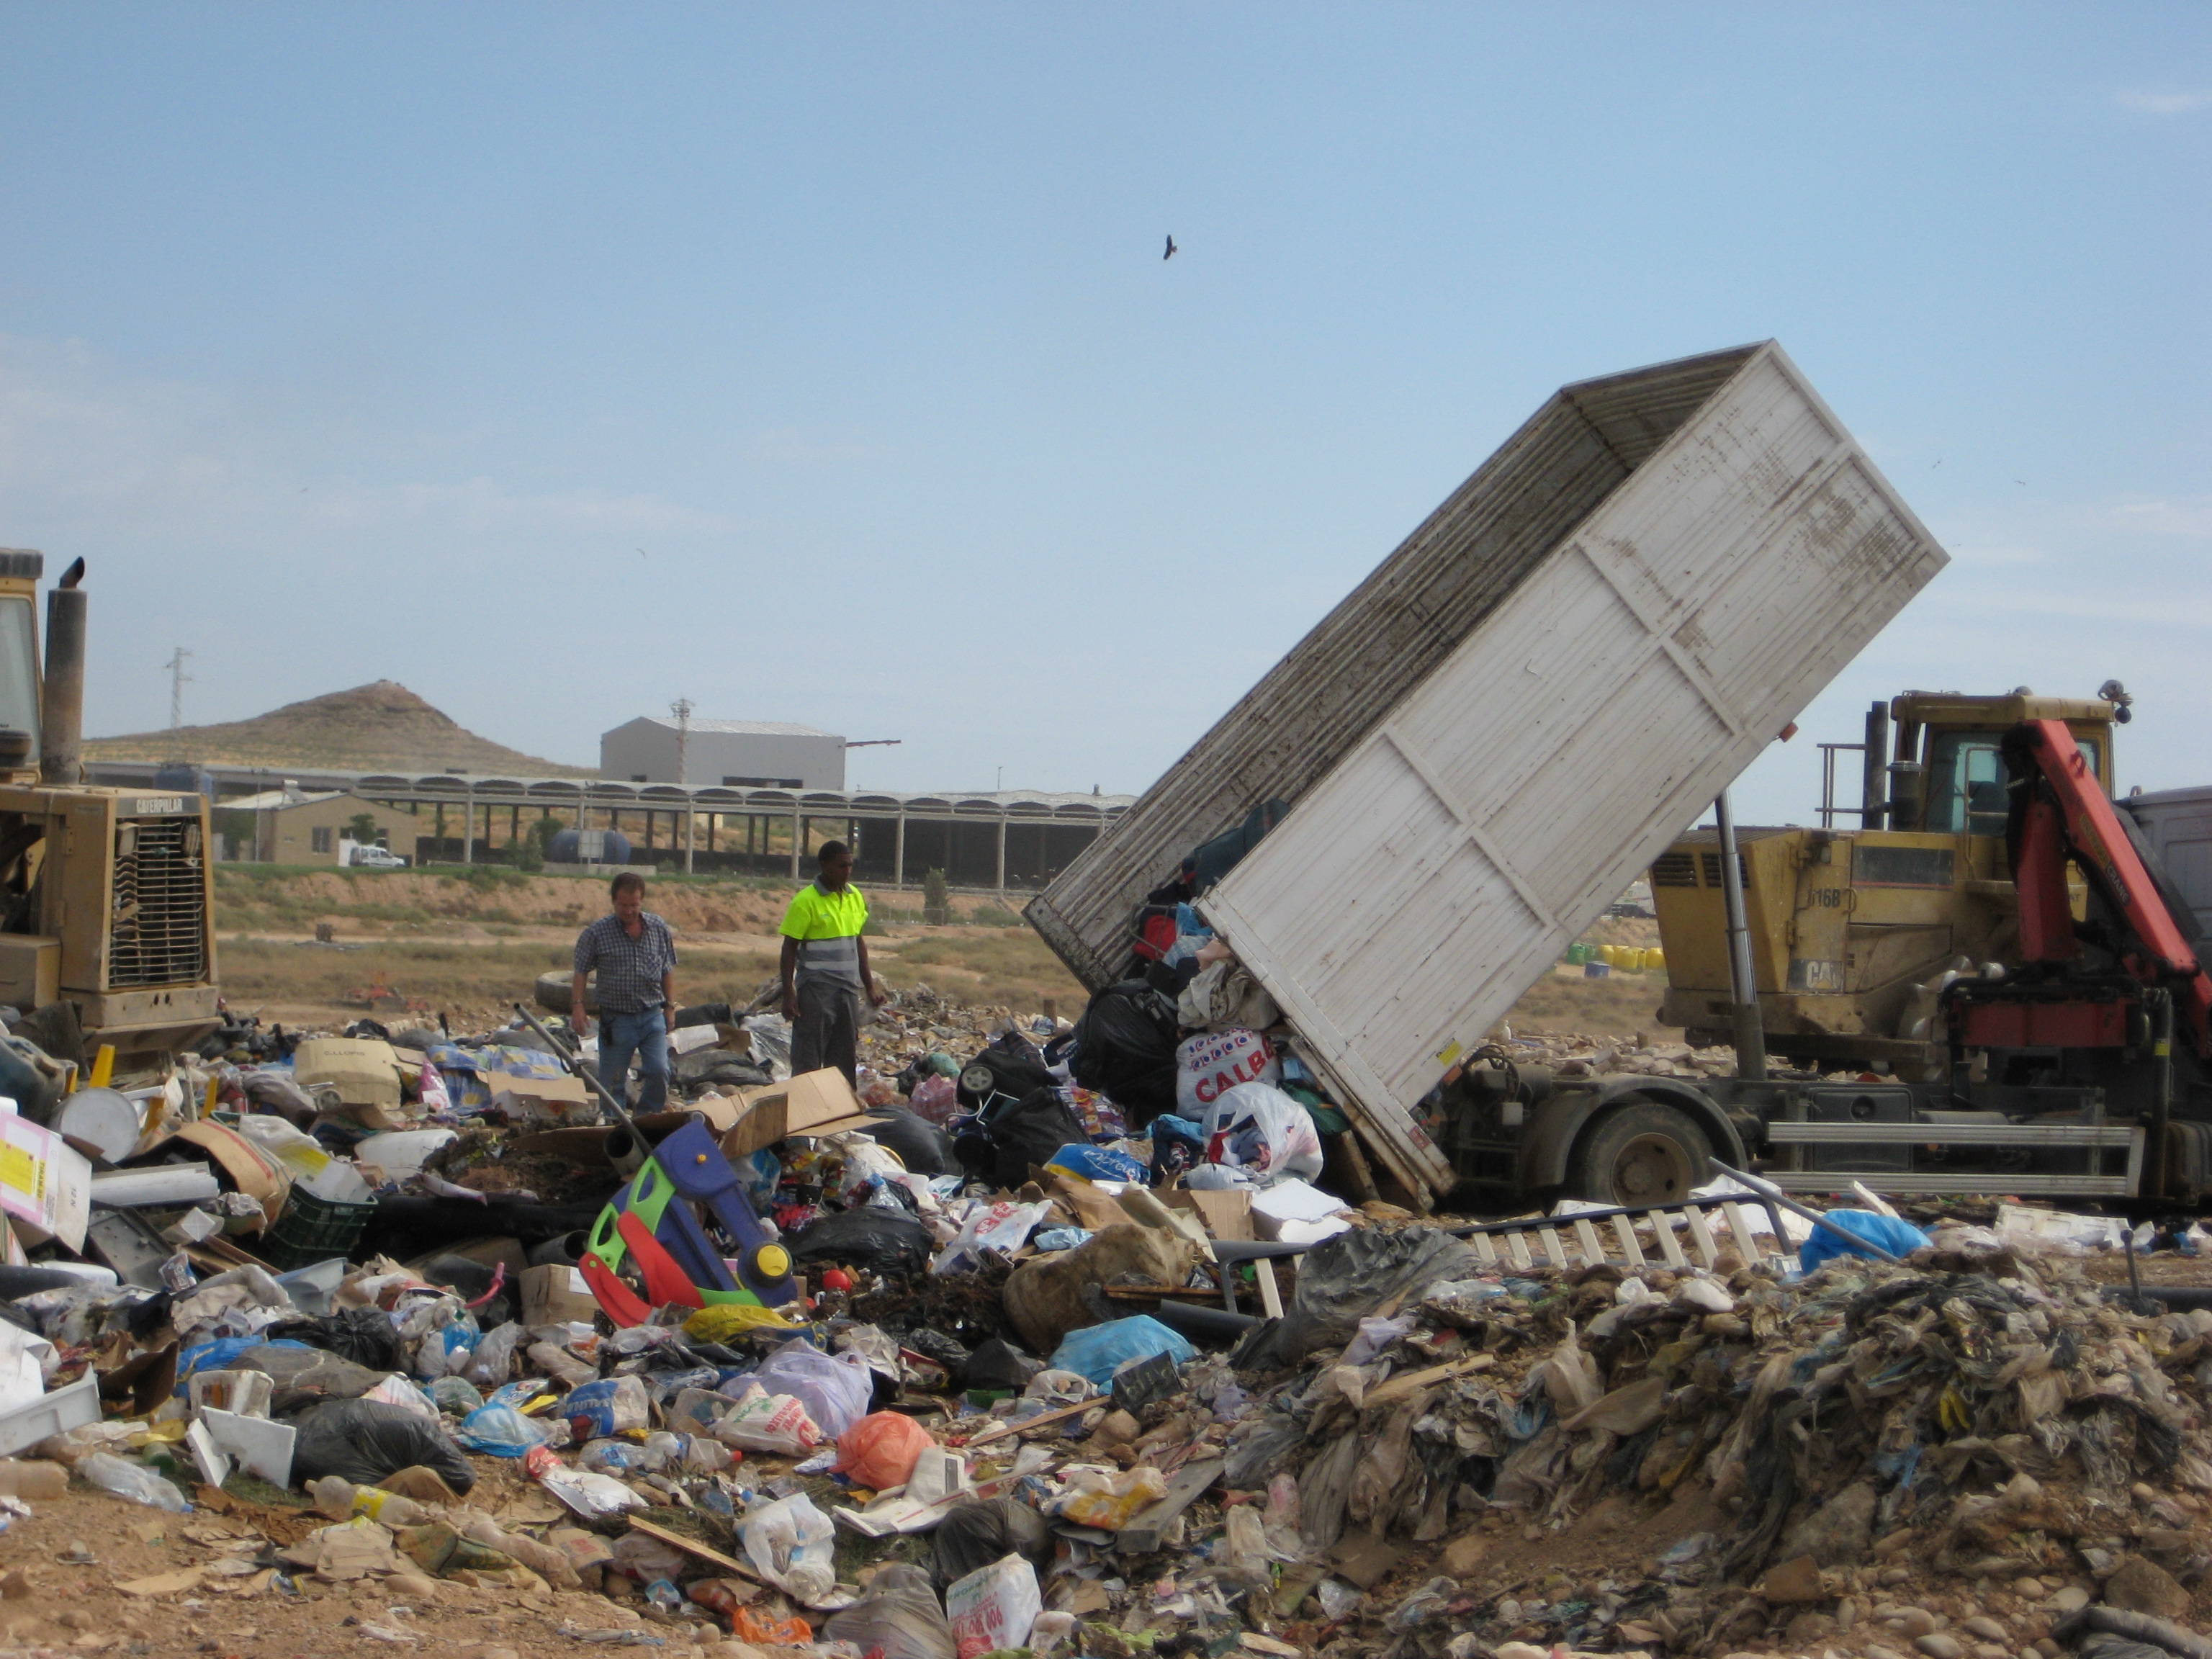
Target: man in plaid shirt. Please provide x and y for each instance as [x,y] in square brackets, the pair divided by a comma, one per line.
[634,953]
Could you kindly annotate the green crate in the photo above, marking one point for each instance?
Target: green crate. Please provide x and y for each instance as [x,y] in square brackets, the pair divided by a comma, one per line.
[313,1229]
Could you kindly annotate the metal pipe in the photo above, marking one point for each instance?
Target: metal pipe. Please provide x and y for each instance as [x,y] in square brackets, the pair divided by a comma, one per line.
[1743,988]
[2162,1095]
[1774,1194]
[1873,787]
[626,1147]
[61,713]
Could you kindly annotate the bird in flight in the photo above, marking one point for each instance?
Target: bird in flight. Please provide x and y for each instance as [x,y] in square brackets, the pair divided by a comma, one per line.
[1170,253]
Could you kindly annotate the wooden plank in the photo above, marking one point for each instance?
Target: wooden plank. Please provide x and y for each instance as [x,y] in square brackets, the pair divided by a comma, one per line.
[1397,1387]
[1663,1222]
[1747,1241]
[1626,1234]
[1516,1244]
[1057,1413]
[1552,1248]
[1593,1251]
[693,1546]
[1150,1525]
[1702,1236]
[1270,1293]
[1484,1249]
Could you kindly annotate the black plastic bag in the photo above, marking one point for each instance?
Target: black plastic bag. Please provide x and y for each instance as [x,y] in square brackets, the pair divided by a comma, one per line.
[1125,1049]
[975,1534]
[882,1241]
[997,1363]
[364,1335]
[925,1149]
[1028,1131]
[1015,1069]
[366,1440]
[1343,1280]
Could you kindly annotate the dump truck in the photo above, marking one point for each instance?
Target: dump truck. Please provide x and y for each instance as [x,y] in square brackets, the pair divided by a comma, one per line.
[1498,731]
[107,895]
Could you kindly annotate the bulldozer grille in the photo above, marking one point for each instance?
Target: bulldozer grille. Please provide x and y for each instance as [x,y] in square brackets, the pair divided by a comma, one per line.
[159,933]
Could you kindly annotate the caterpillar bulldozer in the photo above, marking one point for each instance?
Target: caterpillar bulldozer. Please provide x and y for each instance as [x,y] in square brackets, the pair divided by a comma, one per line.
[107,895]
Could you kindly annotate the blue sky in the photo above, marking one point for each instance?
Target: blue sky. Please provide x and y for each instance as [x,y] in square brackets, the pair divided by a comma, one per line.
[352,342]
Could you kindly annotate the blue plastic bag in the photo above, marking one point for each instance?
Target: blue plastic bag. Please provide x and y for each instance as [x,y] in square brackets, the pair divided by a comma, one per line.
[1098,1163]
[1099,1350]
[498,1431]
[1897,1236]
[217,1356]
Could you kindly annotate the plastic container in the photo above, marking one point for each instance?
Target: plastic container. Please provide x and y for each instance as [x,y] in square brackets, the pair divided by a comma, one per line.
[246,1393]
[311,1288]
[50,1414]
[133,1482]
[313,1230]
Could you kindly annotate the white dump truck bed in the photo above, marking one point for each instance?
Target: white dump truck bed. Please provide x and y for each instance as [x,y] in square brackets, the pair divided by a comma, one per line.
[1499,729]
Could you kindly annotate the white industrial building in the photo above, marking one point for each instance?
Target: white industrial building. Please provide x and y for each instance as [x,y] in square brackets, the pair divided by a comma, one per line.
[729,754]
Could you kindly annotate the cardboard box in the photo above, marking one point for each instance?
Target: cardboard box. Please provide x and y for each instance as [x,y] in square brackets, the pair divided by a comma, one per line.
[542,1099]
[812,1103]
[556,1294]
[1296,1212]
[1227,1214]
[364,1071]
[45,1184]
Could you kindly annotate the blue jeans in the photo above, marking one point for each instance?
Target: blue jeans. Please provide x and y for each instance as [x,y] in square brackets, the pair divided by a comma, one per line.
[644,1035]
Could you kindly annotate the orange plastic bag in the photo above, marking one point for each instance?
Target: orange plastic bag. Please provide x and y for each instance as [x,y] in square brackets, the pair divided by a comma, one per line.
[881,1450]
[750,1627]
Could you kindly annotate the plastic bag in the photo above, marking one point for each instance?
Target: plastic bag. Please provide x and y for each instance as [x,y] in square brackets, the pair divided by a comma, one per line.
[792,1544]
[135,1483]
[1098,1163]
[365,1440]
[935,1099]
[498,1432]
[1343,1280]
[898,1619]
[1261,1132]
[1375,1335]
[994,1607]
[1026,1133]
[455,1395]
[765,1422]
[881,1450]
[1210,1064]
[921,1144]
[973,1535]
[998,1226]
[881,1241]
[1099,1350]
[836,1390]
[1893,1233]
[364,1335]
[491,1362]
[1125,1047]
[1095,1498]
[610,1406]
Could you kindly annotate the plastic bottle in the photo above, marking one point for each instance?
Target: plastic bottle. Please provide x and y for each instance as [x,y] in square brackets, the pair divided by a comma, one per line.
[133,1482]
[20,1478]
[340,1499]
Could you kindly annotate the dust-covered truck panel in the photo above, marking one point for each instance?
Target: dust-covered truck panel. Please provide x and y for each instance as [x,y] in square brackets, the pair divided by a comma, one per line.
[1607,623]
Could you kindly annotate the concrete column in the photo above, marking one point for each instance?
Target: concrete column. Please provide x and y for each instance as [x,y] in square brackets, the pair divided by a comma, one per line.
[690,836]
[1002,853]
[469,828]
[798,839]
[898,853]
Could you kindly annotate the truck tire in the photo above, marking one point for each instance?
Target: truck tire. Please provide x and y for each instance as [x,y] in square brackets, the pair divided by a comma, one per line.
[552,993]
[1639,1151]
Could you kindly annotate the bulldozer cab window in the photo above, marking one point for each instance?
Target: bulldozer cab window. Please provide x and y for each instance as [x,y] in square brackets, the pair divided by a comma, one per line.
[19,669]
[1966,782]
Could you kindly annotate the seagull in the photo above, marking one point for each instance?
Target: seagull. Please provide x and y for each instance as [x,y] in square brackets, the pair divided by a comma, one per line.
[1170,253]
[641,553]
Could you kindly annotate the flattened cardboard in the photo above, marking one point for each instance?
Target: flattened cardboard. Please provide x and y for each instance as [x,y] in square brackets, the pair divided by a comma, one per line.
[812,1103]
[252,1173]
[1227,1213]
[546,1099]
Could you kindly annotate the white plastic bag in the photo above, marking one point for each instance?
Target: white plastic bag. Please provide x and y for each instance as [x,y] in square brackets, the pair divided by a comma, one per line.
[993,1607]
[772,1423]
[792,1543]
[836,1390]
[898,1619]
[492,1360]
[998,1226]
[1260,1131]
[1210,1064]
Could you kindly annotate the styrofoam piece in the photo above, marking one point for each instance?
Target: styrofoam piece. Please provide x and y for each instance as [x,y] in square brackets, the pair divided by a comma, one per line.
[215,1463]
[49,1414]
[261,1447]
[311,1286]
[400,1153]
[106,1119]
[164,1184]
[243,1394]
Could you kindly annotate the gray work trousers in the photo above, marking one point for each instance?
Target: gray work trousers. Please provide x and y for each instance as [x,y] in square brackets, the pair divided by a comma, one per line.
[827,1030]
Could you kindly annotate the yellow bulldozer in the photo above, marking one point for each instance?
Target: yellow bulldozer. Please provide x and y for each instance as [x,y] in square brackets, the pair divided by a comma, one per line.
[1853,929]
[107,895]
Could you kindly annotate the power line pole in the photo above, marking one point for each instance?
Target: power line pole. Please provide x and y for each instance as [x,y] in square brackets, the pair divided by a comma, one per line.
[178,681]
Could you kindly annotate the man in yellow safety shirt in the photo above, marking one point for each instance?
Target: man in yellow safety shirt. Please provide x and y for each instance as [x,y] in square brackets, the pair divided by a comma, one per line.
[825,966]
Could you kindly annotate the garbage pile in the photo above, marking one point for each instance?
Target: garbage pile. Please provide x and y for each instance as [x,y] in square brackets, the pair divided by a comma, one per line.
[1060,1345]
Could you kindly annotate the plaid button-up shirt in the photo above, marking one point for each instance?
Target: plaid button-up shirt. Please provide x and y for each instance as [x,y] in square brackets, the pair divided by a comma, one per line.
[630,969]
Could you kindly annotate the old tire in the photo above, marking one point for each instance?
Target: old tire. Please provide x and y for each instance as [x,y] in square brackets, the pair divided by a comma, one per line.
[1639,1152]
[553,993]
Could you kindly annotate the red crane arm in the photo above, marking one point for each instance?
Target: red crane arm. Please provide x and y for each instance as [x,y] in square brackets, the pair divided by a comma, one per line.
[2092,833]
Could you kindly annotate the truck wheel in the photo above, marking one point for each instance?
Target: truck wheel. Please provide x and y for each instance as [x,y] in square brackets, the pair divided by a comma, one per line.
[1640,1152]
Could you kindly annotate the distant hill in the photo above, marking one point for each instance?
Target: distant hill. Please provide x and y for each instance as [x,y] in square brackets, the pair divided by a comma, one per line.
[383,727]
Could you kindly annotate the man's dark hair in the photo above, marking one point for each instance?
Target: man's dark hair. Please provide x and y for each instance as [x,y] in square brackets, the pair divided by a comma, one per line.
[626,881]
[832,849]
